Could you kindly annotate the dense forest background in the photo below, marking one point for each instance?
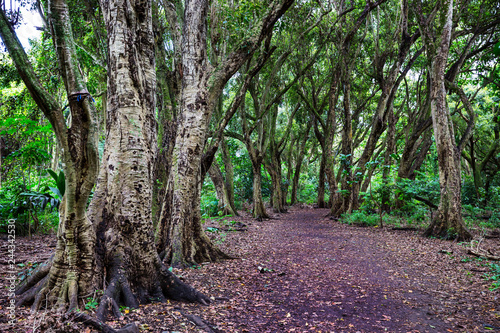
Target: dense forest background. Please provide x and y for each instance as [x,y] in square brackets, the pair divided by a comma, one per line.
[384,112]
[341,101]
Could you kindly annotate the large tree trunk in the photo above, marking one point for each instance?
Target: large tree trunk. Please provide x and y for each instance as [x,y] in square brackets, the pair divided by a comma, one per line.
[68,273]
[74,257]
[277,193]
[163,190]
[476,171]
[167,102]
[187,243]
[289,170]
[274,170]
[320,201]
[273,164]
[295,181]
[202,85]
[127,259]
[448,222]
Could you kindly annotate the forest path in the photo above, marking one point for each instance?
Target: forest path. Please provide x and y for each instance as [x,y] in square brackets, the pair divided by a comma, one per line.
[302,272]
[340,278]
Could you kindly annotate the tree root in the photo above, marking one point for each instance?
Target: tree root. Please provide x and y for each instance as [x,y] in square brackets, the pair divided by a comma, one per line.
[175,289]
[30,295]
[441,231]
[42,285]
[101,326]
[34,278]
[197,321]
[68,294]
[263,217]
[118,288]
[30,288]
[482,254]
[50,285]
[201,250]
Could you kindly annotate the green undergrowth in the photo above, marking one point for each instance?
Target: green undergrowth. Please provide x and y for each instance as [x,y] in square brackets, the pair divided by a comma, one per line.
[225,224]
[34,209]
[494,275]
[494,268]
[366,219]
[482,220]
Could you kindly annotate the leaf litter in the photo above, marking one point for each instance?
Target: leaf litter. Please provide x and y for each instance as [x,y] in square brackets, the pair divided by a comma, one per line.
[302,272]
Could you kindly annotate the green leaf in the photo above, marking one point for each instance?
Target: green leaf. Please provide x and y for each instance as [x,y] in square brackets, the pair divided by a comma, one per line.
[61,183]
[496,49]
[395,157]
[53,174]
[56,191]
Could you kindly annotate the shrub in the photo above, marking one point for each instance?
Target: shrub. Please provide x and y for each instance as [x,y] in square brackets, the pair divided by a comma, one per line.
[360,218]
[209,204]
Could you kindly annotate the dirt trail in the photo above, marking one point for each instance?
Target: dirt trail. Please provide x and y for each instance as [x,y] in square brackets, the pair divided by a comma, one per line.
[303,272]
[336,278]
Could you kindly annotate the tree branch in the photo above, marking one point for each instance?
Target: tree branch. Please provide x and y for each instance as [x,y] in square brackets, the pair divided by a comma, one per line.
[49,106]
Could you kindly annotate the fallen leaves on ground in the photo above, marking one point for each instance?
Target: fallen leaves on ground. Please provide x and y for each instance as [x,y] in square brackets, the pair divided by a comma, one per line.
[302,272]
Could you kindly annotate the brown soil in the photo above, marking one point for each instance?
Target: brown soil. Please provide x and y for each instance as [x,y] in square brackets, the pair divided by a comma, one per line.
[302,272]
